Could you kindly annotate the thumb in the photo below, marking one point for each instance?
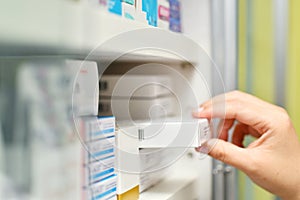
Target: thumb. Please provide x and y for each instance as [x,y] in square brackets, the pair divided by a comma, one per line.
[226,152]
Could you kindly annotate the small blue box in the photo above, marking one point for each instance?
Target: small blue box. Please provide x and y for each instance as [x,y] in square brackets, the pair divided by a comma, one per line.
[131,2]
[150,7]
[115,6]
[174,9]
[175,25]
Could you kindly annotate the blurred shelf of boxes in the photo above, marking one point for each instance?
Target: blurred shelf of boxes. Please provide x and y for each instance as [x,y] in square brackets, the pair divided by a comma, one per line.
[65,27]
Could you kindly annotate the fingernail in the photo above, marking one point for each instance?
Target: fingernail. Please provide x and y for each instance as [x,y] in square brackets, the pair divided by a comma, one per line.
[207,146]
[198,110]
[211,142]
[203,149]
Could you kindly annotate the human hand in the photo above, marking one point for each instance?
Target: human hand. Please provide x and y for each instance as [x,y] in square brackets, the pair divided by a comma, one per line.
[273,160]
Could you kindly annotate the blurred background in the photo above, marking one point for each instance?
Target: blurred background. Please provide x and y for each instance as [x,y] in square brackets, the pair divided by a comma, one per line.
[268,63]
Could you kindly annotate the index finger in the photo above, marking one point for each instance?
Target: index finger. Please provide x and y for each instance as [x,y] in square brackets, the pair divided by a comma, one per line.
[240,106]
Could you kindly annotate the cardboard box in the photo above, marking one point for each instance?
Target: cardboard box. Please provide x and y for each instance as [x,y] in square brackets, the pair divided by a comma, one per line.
[138,109]
[95,128]
[84,86]
[99,170]
[142,86]
[170,134]
[99,149]
[105,189]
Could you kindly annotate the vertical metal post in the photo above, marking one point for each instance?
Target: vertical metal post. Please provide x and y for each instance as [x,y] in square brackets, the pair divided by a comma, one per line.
[218,55]
[224,51]
[230,80]
[280,15]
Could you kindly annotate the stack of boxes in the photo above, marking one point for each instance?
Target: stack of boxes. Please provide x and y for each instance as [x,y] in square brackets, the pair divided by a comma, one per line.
[122,172]
[111,163]
[99,178]
[159,13]
[132,97]
[136,97]
[153,166]
[96,134]
[160,143]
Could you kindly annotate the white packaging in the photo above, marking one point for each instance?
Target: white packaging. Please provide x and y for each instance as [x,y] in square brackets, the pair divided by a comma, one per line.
[85,87]
[98,127]
[145,86]
[153,166]
[127,165]
[105,189]
[163,24]
[170,134]
[141,16]
[138,109]
[128,11]
[163,14]
[138,5]
[99,170]
[149,179]
[153,158]
[99,149]
[114,197]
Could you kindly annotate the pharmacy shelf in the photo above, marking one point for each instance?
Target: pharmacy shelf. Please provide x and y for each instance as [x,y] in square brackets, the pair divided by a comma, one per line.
[185,184]
[61,27]
[171,188]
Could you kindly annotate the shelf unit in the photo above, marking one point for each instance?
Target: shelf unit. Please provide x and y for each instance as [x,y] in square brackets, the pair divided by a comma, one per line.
[62,27]
[188,182]
[73,29]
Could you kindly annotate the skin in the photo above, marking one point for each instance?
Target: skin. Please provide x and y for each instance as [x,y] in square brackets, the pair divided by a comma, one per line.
[272,161]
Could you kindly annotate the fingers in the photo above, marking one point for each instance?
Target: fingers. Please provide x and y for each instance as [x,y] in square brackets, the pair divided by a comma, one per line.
[227,153]
[241,106]
[239,133]
[224,126]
